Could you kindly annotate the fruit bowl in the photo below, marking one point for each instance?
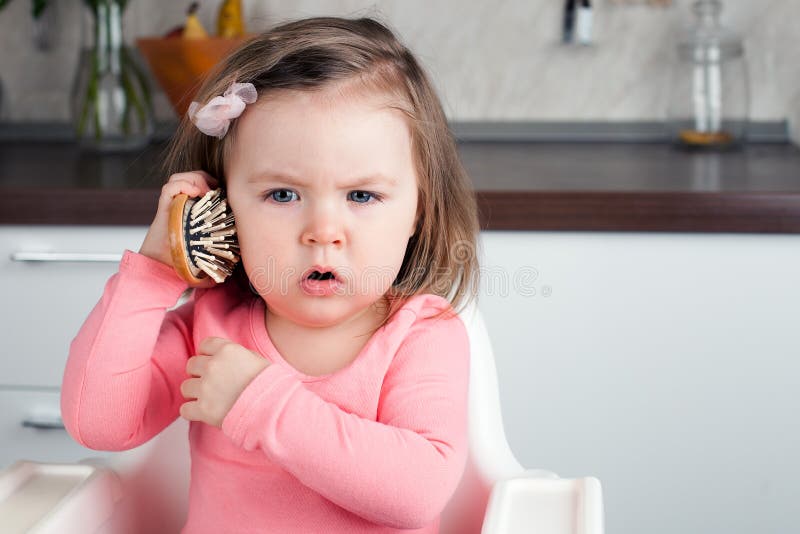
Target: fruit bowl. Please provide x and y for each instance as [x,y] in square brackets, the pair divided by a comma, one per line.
[180,65]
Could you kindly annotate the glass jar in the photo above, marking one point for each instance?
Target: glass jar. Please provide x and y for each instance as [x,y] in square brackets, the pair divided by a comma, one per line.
[709,93]
[111,99]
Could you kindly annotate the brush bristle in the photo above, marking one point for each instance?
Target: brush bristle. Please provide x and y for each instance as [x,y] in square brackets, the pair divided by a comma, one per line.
[211,236]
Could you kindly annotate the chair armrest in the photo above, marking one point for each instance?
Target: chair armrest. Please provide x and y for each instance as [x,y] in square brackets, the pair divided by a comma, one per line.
[537,501]
[51,498]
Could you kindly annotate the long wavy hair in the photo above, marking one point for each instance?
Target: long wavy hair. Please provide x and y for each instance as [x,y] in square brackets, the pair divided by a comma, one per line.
[442,255]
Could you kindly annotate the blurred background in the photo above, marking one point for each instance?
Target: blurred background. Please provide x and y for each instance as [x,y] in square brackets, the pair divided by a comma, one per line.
[499,61]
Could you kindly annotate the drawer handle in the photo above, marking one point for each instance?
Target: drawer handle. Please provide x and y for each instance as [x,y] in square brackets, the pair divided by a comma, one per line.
[75,257]
[44,423]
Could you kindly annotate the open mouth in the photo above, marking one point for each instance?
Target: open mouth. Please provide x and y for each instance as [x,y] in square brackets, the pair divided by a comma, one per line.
[320,272]
[316,275]
[321,282]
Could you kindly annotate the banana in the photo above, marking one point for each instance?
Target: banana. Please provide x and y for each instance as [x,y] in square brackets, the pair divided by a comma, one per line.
[229,19]
[193,29]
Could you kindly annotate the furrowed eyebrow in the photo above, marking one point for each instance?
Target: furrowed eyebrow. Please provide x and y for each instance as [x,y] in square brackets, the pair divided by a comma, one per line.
[286,179]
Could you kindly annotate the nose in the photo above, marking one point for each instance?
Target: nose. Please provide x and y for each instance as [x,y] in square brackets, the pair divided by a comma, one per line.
[324,227]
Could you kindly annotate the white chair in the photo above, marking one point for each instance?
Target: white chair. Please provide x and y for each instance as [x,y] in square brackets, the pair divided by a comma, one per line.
[146,489]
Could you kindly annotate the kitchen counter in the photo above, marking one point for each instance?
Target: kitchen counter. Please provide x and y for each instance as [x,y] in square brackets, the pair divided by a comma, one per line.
[519,186]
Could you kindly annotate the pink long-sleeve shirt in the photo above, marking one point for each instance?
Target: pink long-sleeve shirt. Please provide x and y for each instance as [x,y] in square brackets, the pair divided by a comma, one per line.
[378,446]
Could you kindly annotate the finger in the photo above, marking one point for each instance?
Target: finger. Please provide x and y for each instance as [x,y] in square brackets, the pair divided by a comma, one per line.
[197,365]
[172,189]
[187,187]
[190,388]
[191,411]
[194,184]
[212,345]
[199,178]
[212,181]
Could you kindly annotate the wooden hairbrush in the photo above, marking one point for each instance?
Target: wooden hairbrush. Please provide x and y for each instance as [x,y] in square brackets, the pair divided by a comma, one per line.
[202,237]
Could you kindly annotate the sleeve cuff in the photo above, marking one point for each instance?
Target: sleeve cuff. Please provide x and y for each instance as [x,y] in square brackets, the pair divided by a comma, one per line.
[261,401]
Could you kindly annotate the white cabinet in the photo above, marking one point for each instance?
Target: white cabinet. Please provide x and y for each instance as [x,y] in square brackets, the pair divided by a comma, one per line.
[50,278]
[667,365]
[31,429]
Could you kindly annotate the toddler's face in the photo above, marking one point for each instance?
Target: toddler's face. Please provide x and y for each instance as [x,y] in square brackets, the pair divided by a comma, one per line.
[292,178]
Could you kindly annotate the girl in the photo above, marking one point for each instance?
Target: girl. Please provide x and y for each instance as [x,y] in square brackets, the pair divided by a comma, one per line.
[334,406]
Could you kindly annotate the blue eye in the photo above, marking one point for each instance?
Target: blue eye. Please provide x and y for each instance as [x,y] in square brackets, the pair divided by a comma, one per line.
[284,196]
[362,195]
[279,195]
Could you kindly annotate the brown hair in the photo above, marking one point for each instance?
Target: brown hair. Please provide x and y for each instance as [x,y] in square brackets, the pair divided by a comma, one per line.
[442,256]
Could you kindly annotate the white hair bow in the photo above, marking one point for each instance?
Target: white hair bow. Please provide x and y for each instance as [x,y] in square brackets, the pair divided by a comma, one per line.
[215,117]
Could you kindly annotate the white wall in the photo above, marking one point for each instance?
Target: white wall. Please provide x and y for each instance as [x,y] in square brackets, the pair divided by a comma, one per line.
[668,365]
[489,60]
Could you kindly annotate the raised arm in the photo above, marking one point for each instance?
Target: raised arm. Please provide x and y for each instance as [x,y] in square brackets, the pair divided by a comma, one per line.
[398,471]
[122,377]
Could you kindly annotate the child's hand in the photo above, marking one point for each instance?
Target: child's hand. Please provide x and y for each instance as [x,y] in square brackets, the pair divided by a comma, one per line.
[194,184]
[223,369]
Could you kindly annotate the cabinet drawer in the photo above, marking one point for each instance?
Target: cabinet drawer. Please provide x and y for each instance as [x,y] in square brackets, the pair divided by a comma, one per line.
[50,278]
[31,428]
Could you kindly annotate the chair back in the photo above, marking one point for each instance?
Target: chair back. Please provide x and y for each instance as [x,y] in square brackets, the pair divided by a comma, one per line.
[154,480]
[490,457]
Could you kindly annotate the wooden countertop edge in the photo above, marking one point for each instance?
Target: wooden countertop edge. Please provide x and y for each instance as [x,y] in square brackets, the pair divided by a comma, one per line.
[713,211]
[626,211]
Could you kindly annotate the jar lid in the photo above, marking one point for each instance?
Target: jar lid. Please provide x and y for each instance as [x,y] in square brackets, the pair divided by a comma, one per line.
[707,40]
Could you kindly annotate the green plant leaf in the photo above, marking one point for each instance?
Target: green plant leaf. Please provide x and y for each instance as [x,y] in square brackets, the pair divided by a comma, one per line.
[130,62]
[90,98]
[38,7]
